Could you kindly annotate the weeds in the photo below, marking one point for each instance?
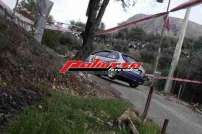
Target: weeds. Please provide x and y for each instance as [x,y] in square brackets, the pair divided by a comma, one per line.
[61,114]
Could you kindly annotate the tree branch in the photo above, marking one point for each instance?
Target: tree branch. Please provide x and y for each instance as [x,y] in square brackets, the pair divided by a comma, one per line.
[101,12]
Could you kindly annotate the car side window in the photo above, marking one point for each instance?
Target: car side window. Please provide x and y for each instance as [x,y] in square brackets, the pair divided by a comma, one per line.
[125,58]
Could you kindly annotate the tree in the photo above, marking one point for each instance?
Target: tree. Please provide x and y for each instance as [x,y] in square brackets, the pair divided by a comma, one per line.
[16,5]
[28,8]
[121,34]
[95,12]
[198,44]
[77,26]
[136,34]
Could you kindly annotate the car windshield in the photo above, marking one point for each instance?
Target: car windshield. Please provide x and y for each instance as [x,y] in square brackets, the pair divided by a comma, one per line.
[113,55]
[102,54]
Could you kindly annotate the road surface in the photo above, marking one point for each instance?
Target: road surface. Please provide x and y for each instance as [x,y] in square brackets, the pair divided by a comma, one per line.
[182,119]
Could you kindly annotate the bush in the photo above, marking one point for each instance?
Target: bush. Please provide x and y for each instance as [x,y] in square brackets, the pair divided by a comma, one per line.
[61,42]
[68,39]
[51,38]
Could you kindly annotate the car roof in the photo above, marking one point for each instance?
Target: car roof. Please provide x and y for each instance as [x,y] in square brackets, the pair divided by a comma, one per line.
[105,51]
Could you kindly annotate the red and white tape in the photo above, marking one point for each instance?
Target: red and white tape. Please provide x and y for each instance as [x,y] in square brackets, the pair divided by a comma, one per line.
[129,24]
[175,79]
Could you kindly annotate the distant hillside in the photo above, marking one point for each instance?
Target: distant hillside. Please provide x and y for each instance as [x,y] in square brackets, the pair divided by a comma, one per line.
[154,26]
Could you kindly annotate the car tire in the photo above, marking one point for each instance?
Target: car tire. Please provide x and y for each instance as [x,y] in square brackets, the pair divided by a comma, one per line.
[111,74]
[133,84]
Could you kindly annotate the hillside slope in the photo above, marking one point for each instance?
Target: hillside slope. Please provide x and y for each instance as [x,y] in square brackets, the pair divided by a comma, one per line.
[29,70]
[154,26]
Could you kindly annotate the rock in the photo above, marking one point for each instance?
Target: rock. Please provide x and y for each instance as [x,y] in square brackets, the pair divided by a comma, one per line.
[85,125]
[40,107]
[127,118]
[129,114]
[110,124]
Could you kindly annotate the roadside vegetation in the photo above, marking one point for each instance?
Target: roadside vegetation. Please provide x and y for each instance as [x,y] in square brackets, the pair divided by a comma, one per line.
[61,42]
[144,47]
[62,114]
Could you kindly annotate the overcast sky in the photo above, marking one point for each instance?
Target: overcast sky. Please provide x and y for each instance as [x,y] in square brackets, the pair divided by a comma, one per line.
[66,10]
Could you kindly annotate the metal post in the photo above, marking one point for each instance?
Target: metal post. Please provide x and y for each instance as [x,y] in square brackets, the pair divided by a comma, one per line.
[177,52]
[165,124]
[179,92]
[147,105]
[44,8]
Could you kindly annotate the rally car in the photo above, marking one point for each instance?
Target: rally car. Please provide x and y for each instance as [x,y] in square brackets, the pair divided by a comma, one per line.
[133,77]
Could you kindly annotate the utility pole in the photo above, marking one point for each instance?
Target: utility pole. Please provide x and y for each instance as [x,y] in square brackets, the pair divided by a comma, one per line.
[177,52]
[156,63]
[43,9]
[162,37]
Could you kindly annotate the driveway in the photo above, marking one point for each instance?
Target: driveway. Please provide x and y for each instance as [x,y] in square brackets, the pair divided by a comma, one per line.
[182,120]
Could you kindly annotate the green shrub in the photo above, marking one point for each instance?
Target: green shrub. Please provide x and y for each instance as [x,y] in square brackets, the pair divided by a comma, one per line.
[61,114]
[51,38]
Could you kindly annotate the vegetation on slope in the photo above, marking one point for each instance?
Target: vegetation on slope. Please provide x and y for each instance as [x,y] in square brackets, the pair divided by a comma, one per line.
[30,70]
[61,114]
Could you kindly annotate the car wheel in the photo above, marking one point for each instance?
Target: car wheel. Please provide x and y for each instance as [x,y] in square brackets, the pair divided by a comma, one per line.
[111,74]
[133,84]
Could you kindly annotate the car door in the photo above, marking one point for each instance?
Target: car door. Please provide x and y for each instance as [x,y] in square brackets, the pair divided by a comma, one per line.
[129,59]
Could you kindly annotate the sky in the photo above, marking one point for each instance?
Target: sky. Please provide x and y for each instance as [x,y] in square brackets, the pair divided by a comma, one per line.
[67,10]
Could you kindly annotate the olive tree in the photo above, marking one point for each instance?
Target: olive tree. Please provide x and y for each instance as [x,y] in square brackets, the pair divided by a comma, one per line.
[95,12]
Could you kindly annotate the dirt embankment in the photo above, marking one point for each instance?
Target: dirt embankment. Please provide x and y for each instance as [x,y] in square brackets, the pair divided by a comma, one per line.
[29,70]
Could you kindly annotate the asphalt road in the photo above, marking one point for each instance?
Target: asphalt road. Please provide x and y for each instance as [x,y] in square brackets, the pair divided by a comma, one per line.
[182,120]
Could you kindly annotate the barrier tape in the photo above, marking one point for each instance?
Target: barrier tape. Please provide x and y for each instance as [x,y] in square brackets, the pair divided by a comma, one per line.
[175,79]
[126,25]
